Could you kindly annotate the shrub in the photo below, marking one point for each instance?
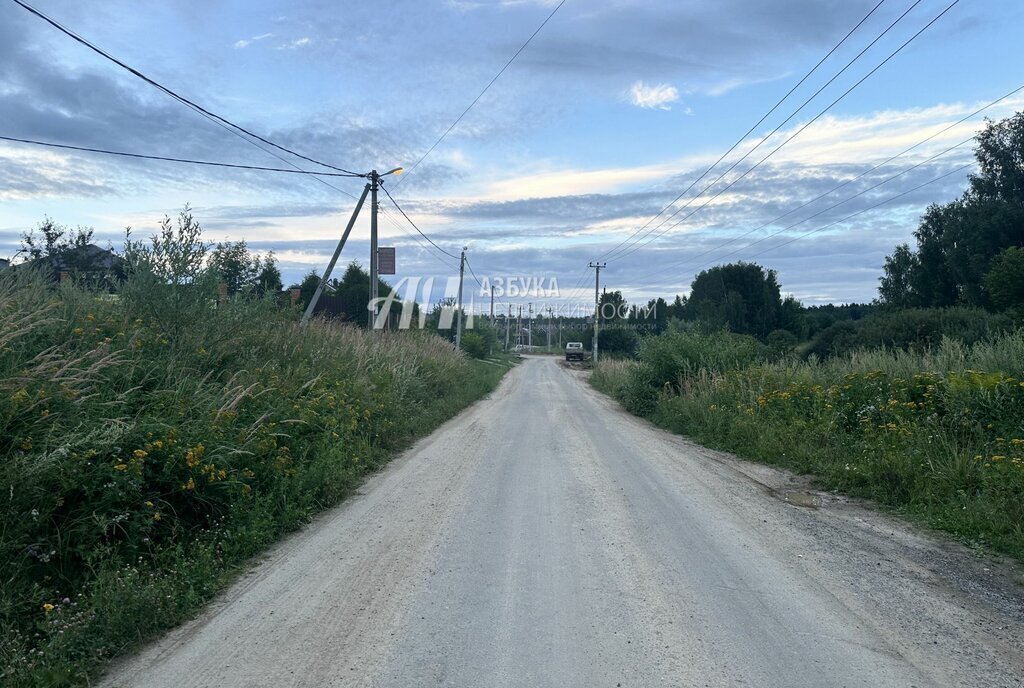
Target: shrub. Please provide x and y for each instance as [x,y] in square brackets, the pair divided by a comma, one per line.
[474,344]
[932,432]
[154,440]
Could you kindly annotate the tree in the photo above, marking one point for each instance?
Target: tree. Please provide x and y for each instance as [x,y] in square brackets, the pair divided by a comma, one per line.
[269,279]
[958,241]
[612,306]
[896,285]
[310,281]
[743,297]
[1004,282]
[53,241]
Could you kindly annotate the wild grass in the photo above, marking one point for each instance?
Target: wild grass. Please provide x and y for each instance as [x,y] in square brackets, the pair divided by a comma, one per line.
[154,440]
[937,434]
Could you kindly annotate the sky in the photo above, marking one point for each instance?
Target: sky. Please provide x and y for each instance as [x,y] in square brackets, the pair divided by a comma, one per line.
[609,114]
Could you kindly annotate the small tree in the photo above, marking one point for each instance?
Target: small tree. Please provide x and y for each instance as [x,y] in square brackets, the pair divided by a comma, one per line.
[1004,282]
[896,286]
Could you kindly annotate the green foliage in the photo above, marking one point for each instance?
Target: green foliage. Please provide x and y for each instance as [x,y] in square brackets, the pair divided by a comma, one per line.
[1004,282]
[743,297]
[670,360]
[474,344]
[934,433]
[957,242]
[914,328]
[896,286]
[243,271]
[154,441]
[56,242]
[782,341]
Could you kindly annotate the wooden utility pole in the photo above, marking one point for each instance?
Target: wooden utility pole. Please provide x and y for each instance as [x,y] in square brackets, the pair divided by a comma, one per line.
[458,313]
[597,301]
[508,324]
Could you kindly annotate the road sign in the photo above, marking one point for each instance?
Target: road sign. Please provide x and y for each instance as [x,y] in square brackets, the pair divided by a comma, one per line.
[386,260]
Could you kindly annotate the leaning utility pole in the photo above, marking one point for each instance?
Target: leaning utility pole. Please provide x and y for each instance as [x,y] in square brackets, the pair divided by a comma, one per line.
[334,259]
[458,313]
[371,188]
[492,306]
[597,301]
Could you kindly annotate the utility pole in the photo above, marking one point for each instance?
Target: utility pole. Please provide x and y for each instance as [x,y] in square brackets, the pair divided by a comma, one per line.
[508,324]
[519,327]
[334,259]
[529,332]
[458,313]
[492,306]
[597,301]
[549,329]
[374,181]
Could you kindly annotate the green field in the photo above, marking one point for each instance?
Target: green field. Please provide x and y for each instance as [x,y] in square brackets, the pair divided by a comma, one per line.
[937,435]
[155,440]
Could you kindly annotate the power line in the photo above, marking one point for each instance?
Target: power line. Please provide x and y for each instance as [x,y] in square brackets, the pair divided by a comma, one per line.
[170,92]
[885,162]
[481,284]
[961,168]
[409,220]
[419,242]
[820,212]
[748,132]
[481,94]
[845,93]
[169,159]
[800,130]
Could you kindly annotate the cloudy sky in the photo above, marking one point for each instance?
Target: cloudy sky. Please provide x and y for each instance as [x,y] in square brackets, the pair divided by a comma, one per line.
[605,118]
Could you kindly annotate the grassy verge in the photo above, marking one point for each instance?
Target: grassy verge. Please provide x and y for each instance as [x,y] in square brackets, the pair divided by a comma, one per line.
[155,440]
[937,436]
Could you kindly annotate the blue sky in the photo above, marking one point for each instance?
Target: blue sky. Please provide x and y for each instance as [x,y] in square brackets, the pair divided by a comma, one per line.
[611,111]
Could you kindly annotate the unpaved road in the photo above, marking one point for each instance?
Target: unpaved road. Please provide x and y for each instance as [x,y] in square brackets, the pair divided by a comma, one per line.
[546,538]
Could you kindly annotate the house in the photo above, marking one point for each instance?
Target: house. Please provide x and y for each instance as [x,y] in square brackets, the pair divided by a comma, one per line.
[88,260]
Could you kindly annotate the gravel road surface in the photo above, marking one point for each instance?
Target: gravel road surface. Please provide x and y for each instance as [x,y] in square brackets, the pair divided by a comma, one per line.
[546,538]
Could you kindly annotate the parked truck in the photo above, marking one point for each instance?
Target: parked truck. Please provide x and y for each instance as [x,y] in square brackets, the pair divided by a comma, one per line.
[574,351]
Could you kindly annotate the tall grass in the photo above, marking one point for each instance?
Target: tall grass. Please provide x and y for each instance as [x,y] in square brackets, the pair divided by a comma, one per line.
[154,440]
[935,434]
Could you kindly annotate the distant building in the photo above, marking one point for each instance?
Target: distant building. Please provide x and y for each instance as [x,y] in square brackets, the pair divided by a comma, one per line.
[89,261]
[4,263]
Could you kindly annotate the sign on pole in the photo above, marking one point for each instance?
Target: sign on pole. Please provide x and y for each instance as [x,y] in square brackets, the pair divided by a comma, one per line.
[386,260]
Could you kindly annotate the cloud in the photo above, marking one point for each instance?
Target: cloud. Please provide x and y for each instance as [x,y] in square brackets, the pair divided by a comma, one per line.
[238,45]
[653,97]
[297,43]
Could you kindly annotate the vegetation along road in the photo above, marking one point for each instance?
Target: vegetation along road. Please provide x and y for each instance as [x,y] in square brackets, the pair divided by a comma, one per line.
[545,537]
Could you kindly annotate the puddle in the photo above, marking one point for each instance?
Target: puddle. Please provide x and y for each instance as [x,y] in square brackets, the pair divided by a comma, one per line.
[807,499]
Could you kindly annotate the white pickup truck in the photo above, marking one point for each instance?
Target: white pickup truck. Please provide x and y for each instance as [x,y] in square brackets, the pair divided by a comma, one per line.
[574,351]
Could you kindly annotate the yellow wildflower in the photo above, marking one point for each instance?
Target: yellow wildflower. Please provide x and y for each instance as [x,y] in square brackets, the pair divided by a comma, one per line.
[120,467]
[140,453]
[48,607]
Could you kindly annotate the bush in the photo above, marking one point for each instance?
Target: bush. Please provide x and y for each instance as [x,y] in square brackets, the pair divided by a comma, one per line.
[155,440]
[474,344]
[934,432]
[914,328]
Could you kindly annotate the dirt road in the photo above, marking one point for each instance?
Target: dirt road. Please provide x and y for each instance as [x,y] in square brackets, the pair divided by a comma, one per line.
[546,538]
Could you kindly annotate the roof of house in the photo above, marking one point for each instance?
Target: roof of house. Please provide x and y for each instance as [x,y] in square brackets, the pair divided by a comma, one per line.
[89,257]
